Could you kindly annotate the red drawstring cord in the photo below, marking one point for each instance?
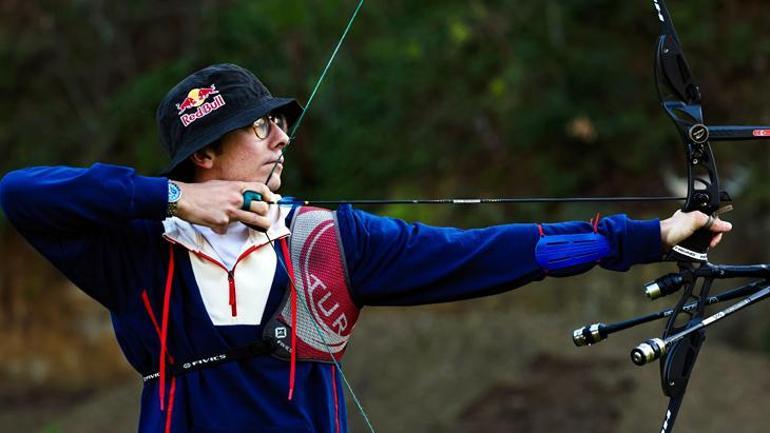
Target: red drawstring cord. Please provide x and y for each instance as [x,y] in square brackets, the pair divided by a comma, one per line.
[171,394]
[148,307]
[164,325]
[293,289]
[336,399]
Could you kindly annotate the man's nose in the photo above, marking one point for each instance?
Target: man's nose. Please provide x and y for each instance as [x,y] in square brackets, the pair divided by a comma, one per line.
[280,139]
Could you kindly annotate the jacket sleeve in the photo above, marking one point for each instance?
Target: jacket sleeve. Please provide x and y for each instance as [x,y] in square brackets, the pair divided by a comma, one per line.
[391,262]
[89,222]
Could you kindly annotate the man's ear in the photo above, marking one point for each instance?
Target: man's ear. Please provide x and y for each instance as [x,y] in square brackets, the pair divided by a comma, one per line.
[204,158]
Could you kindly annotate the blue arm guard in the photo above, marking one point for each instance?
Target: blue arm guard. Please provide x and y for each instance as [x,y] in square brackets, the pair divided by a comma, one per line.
[562,251]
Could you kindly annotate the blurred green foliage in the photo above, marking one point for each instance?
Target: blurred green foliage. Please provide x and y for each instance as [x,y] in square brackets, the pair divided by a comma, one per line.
[51,429]
[426,99]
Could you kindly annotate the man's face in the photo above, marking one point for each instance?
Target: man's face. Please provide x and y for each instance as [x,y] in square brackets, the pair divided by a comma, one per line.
[246,157]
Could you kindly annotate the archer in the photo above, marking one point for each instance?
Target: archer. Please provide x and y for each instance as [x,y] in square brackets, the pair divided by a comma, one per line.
[235,305]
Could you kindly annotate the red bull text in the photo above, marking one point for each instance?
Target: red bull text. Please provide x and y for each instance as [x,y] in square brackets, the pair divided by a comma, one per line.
[196,98]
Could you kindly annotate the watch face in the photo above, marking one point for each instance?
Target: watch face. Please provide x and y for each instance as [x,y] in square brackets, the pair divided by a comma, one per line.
[174,193]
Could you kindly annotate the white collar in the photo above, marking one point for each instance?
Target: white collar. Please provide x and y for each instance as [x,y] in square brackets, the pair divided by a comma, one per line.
[182,232]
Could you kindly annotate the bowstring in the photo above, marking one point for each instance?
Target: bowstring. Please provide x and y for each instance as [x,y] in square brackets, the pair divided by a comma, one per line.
[320,79]
[292,135]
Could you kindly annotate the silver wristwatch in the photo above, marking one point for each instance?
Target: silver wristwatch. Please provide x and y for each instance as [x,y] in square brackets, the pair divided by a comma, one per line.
[174,195]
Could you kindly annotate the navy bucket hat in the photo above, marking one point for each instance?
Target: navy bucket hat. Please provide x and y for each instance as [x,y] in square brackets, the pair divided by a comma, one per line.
[210,103]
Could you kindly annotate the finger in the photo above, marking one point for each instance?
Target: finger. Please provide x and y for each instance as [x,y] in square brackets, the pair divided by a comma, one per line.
[261,223]
[720,226]
[701,219]
[715,240]
[259,207]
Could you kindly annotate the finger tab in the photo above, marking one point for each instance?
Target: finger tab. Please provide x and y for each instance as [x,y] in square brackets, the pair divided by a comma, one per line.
[250,196]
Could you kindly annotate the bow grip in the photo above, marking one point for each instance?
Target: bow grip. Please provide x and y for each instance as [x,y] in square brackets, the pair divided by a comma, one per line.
[693,249]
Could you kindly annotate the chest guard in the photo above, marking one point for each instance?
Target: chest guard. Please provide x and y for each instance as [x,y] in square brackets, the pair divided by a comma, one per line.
[326,314]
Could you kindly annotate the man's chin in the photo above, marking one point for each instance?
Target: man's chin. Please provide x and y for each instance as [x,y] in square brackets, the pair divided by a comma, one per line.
[274,184]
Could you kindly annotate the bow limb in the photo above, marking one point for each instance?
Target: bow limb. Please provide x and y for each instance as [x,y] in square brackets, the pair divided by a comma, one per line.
[681,99]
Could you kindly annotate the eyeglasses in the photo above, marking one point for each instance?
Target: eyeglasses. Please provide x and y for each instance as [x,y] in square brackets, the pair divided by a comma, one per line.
[262,125]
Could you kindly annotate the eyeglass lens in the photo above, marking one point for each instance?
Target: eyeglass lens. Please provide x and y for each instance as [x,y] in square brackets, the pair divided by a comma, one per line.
[263,124]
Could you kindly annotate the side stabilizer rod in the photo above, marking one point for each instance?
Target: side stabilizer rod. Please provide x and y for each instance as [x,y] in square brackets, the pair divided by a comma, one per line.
[597,332]
[653,349]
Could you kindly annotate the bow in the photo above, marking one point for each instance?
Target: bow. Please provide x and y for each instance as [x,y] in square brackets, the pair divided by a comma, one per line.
[685,330]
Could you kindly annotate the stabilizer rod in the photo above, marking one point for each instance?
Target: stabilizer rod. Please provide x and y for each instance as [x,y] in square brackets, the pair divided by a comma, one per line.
[653,349]
[592,334]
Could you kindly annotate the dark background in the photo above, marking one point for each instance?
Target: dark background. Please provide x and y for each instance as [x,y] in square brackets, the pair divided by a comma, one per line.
[426,99]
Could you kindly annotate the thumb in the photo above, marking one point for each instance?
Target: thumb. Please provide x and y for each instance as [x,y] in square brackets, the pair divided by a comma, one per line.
[720,226]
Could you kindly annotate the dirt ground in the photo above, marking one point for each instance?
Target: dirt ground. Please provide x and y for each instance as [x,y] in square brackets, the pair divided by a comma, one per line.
[502,364]
[498,382]
[559,392]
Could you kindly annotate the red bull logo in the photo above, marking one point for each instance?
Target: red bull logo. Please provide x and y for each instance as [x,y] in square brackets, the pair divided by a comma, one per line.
[197,99]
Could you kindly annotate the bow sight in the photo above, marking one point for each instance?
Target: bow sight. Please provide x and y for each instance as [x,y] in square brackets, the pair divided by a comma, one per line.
[684,333]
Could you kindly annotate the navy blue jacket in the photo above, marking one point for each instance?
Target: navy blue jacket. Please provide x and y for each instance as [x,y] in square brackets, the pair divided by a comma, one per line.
[102,228]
